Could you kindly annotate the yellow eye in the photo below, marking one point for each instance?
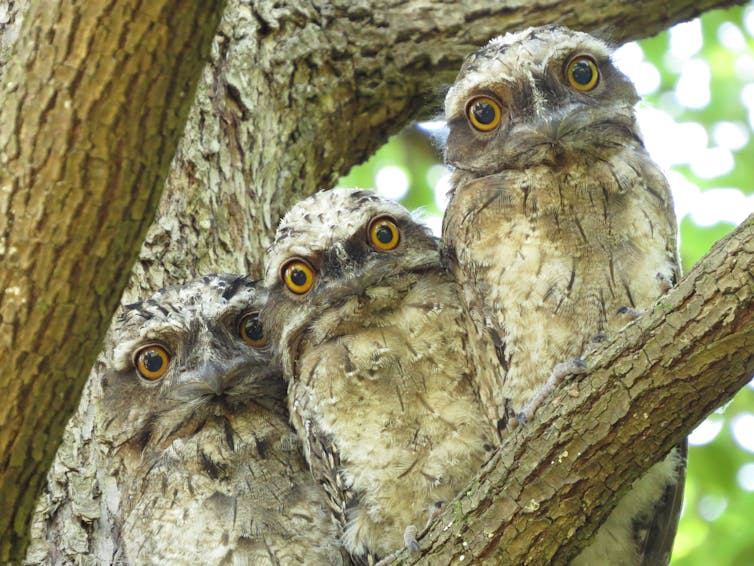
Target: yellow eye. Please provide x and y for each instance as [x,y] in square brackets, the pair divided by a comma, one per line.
[152,362]
[484,113]
[298,275]
[383,234]
[251,330]
[582,73]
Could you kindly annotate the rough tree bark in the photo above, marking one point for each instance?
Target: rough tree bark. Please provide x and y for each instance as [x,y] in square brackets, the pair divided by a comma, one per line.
[94,101]
[296,92]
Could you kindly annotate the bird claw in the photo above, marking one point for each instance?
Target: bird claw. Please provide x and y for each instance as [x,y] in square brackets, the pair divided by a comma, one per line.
[409,539]
[411,536]
[629,313]
[434,511]
[576,366]
[598,338]
[666,283]
[573,367]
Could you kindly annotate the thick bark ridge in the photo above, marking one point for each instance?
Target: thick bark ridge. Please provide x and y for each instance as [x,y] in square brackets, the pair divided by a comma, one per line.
[95,98]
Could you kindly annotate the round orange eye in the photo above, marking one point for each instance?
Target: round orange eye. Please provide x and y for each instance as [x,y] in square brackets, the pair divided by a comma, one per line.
[582,73]
[298,276]
[383,234]
[152,362]
[484,113]
[251,330]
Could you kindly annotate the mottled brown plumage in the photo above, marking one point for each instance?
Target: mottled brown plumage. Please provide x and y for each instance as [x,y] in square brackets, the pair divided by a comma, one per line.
[558,217]
[375,348]
[201,465]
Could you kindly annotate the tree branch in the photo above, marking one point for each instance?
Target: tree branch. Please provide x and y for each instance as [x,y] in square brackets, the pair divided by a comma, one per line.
[543,495]
[298,92]
[94,101]
[331,80]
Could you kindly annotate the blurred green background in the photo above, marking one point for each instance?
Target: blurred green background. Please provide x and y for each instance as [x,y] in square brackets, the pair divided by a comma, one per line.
[697,80]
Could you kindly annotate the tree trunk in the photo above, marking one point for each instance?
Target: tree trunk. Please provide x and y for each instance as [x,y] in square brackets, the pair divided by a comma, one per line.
[95,99]
[295,94]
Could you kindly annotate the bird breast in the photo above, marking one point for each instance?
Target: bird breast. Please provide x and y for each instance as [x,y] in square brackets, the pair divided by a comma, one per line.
[558,252]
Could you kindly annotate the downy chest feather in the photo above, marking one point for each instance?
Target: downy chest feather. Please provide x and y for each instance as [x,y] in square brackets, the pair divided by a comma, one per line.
[555,253]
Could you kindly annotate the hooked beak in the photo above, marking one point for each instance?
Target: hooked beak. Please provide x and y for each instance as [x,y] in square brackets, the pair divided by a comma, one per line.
[210,379]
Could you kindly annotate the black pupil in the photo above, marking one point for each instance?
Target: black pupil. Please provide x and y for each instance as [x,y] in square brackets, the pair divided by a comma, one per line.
[384,234]
[582,72]
[254,329]
[153,361]
[298,276]
[484,112]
